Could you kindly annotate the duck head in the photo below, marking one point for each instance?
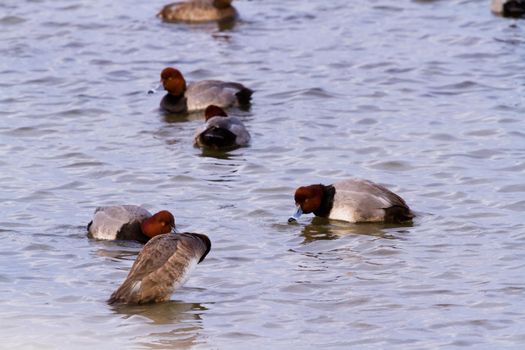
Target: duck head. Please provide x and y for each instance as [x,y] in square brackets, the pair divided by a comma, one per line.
[214,111]
[173,81]
[308,199]
[160,223]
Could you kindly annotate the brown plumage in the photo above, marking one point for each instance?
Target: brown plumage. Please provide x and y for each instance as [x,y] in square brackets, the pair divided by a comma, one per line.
[162,266]
[198,11]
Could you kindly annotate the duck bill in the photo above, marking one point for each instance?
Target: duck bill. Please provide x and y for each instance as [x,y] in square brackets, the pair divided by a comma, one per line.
[296,215]
[154,90]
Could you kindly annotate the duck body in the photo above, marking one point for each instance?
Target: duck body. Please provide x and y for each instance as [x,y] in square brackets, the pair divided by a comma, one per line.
[182,97]
[352,200]
[119,222]
[198,11]
[508,8]
[221,131]
[202,93]
[162,266]
[129,222]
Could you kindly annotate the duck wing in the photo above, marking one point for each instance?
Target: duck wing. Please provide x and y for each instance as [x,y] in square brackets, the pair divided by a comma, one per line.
[203,93]
[162,266]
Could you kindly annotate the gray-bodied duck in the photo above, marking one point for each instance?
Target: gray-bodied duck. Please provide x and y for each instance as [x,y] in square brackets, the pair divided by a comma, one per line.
[221,131]
[508,8]
[195,96]
[129,222]
[352,200]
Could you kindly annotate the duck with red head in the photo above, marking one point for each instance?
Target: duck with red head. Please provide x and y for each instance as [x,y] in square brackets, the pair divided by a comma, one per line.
[129,222]
[198,11]
[195,96]
[352,200]
[221,131]
[162,266]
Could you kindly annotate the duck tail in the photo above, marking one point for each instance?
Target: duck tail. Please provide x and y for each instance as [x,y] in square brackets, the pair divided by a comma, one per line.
[119,296]
[398,214]
[113,299]
[244,96]
[217,138]
[125,293]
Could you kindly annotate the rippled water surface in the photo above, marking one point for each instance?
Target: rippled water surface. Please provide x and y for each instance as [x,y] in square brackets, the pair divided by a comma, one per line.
[426,97]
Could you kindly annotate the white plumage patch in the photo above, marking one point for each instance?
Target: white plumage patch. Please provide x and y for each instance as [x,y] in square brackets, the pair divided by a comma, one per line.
[107,221]
[343,213]
[136,287]
[185,275]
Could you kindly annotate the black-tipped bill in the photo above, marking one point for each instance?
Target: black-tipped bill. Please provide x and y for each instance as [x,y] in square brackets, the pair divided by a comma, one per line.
[296,215]
[154,90]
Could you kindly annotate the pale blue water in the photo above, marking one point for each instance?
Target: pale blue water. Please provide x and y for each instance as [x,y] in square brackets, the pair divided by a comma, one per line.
[425,97]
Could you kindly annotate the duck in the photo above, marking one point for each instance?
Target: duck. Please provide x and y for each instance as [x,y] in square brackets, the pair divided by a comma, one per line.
[508,8]
[352,200]
[162,266]
[221,131]
[198,11]
[129,222]
[198,95]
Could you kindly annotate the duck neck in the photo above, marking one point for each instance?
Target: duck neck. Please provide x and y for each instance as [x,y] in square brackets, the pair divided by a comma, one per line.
[173,103]
[327,202]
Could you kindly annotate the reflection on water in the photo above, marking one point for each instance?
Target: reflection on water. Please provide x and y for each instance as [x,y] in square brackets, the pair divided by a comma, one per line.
[183,117]
[218,154]
[120,250]
[428,103]
[325,229]
[170,312]
[182,323]
[212,26]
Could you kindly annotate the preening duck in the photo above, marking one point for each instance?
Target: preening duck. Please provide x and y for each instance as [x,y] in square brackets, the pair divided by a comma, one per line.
[162,266]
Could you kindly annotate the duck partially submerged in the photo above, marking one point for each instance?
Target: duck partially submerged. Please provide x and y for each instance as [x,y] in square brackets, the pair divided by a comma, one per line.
[221,131]
[198,11]
[199,95]
[352,200]
[508,8]
[162,266]
[129,222]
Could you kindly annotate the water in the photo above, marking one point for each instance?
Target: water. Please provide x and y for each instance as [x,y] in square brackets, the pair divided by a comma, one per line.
[425,97]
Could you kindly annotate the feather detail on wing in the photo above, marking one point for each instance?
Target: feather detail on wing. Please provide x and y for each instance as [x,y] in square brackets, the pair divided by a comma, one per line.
[162,266]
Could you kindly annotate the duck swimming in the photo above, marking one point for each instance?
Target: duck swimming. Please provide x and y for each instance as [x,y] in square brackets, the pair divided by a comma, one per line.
[352,200]
[508,8]
[129,222]
[199,95]
[221,131]
[161,267]
[198,11]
